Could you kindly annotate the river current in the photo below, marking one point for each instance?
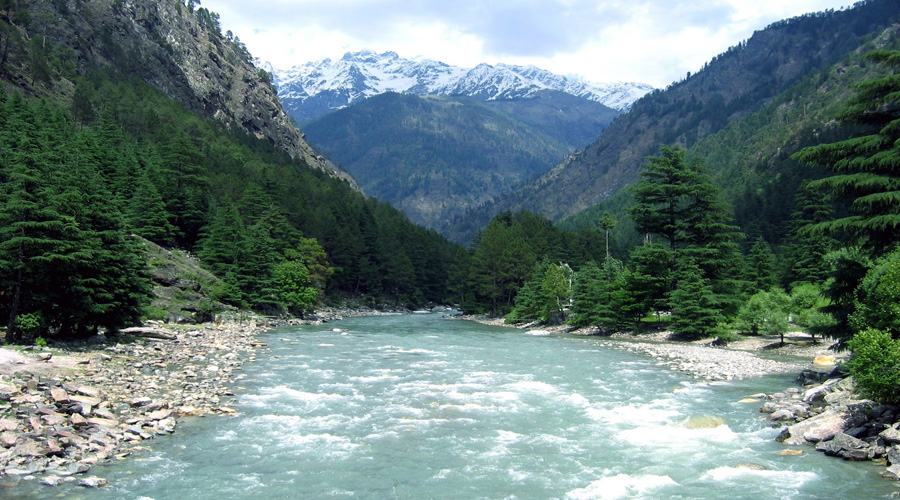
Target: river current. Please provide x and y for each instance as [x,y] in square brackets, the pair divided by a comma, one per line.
[418,406]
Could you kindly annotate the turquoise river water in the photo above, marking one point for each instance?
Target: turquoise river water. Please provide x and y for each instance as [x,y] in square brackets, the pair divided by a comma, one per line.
[417,406]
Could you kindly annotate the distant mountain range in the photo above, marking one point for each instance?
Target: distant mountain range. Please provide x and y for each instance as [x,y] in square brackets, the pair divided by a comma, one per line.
[314,89]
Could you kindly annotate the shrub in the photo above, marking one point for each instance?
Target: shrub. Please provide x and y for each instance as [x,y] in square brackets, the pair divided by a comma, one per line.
[875,365]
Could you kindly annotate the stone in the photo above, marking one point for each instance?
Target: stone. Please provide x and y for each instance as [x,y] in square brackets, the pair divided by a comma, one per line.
[892,473]
[782,414]
[890,435]
[893,454]
[7,424]
[191,411]
[144,401]
[59,395]
[8,439]
[103,422]
[86,400]
[769,407]
[848,447]
[818,392]
[824,361]
[31,448]
[51,480]
[45,356]
[93,482]
[822,427]
[791,453]
[78,468]
[89,391]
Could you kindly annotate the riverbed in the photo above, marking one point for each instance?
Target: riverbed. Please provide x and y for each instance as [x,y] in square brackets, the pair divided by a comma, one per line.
[419,406]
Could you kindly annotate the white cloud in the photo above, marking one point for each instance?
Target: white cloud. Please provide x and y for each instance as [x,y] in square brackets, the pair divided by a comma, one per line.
[653,41]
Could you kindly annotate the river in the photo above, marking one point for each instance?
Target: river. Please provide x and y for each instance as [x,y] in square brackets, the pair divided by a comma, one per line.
[418,406]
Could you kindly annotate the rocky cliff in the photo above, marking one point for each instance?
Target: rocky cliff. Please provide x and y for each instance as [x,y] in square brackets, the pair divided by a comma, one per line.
[44,44]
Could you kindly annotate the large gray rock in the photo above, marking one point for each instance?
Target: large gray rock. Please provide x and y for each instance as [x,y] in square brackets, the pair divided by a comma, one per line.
[892,472]
[891,435]
[819,392]
[848,448]
[822,427]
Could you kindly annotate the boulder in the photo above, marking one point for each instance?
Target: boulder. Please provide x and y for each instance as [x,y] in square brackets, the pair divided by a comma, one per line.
[782,414]
[819,392]
[822,427]
[93,482]
[892,472]
[891,435]
[848,447]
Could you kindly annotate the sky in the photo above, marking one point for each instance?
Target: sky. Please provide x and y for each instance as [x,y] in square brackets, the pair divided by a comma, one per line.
[649,41]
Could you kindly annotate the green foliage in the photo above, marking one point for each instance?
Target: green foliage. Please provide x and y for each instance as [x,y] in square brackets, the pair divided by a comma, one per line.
[293,280]
[760,266]
[765,312]
[878,297]
[40,342]
[65,253]
[875,365]
[849,267]
[807,304]
[30,325]
[694,306]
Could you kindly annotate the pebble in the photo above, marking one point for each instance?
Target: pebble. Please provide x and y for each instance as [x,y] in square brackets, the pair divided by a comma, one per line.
[56,427]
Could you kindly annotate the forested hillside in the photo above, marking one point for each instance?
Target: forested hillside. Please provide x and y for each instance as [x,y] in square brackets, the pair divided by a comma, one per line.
[434,157]
[95,154]
[743,80]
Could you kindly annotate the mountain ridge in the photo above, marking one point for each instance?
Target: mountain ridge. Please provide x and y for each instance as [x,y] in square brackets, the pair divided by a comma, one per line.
[316,88]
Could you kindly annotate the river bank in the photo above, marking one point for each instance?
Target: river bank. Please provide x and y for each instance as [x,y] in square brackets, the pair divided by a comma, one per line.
[66,409]
[744,358]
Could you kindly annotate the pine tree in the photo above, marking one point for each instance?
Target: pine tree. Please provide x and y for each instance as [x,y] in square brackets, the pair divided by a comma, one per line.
[584,295]
[148,216]
[676,199]
[866,167]
[660,195]
[806,250]
[760,266]
[695,310]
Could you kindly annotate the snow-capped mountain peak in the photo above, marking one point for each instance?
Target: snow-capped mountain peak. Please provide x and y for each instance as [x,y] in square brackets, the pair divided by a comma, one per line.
[316,88]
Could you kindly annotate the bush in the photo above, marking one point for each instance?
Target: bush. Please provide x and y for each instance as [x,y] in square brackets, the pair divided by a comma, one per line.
[30,324]
[875,365]
[878,297]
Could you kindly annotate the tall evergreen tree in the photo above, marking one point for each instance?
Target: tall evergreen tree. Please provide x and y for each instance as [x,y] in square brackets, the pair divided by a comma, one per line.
[760,266]
[866,167]
[695,309]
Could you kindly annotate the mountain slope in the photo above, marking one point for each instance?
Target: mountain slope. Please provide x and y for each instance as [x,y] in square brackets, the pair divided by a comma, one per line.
[317,88]
[143,119]
[742,80]
[434,157]
[175,49]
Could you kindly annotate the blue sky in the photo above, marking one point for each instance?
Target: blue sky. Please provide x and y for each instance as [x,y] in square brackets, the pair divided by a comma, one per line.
[650,41]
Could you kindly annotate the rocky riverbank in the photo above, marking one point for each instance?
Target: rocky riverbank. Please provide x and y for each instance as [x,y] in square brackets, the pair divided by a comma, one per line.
[831,417]
[65,410]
